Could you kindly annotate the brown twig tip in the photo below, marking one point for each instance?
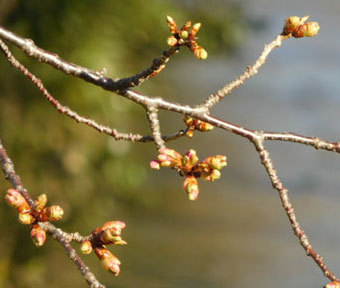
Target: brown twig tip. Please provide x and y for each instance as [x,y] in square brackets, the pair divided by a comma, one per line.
[185,37]
[298,27]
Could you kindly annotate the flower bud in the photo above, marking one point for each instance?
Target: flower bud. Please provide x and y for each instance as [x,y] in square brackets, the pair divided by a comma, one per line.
[189,160]
[201,53]
[155,164]
[307,30]
[169,157]
[172,41]
[184,34]
[195,29]
[334,284]
[25,218]
[110,262]
[212,175]
[54,213]
[172,24]
[16,200]
[40,203]
[86,247]
[190,186]
[38,235]
[216,162]
[292,23]
[188,120]
[186,26]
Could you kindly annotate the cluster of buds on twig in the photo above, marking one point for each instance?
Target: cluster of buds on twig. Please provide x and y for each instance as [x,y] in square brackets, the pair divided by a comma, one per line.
[196,124]
[108,234]
[186,36]
[334,284]
[298,27]
[33,215]
[188,165]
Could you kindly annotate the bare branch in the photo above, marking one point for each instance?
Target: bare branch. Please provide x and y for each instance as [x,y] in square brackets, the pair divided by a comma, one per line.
[287,205]
[57,234]
[248,73]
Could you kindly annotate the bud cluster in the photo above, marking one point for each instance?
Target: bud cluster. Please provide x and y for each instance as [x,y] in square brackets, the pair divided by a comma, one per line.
[334,284]
[196,124]
[31,216]
[188,165]
[298,27]
[107,234]
[186,36]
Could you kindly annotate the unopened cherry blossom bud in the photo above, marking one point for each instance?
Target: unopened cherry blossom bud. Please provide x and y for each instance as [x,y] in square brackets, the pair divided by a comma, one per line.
[201,53]
[172,41]
[190,186]
[216,162]
[189,159]
[307,30]
[40,203]
[54,213]
[38,235]
[186,26]
[195,29]
[86,247]
[292,23]
[110,262]
[155,164]
[188,120]
[25,218]
[16,200]
[172,24]
[184,34]
[212,175]
[334,284]
[169,157]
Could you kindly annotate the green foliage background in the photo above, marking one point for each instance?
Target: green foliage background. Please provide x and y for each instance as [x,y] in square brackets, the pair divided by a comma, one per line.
[94,178]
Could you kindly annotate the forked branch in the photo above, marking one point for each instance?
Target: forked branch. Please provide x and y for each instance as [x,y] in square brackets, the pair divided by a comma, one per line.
[195,117]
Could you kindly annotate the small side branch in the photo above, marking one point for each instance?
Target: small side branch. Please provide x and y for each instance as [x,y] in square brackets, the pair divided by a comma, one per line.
[152,114]
[248,73]
[64,109]
[57,234]
[288,207]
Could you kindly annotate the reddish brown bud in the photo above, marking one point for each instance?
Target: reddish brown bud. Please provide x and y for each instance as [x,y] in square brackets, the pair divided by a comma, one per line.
[38,235]
[155,164]
[190,186]
[186,26]
[25,218]
[110,262]
[212,175]
[172,24]
[40,203]
[292,23]
[334,284]
[54,213]
[195,29]
[307,30]
[86,247]
[189,160]
[16,200]
[172,41]
[200,53]
[216,162]
[169,157]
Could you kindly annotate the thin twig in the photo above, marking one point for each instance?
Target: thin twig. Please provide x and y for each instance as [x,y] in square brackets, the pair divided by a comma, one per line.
[57,234]
[288,207]
[152,114]
[248,73]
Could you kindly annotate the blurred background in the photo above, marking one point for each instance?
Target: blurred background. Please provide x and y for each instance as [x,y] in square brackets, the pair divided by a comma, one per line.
[236,234]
